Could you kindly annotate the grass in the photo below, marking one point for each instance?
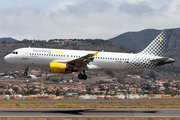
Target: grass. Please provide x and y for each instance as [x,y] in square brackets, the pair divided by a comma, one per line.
[90,105]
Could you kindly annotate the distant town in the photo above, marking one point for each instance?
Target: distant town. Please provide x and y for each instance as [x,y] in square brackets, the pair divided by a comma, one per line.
[95,90]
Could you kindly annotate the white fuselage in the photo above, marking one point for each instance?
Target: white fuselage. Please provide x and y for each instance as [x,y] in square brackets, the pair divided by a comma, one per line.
[42,57]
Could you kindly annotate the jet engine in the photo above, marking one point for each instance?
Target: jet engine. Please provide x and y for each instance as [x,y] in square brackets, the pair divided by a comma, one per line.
[60,68]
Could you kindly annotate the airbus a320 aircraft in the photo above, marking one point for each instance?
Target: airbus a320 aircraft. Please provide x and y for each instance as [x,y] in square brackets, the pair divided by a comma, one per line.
[68,61]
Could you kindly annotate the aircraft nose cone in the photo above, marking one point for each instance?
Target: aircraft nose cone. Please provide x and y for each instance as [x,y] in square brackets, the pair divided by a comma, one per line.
[7,58]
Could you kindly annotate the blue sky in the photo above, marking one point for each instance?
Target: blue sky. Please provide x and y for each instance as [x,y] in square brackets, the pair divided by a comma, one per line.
[104,19]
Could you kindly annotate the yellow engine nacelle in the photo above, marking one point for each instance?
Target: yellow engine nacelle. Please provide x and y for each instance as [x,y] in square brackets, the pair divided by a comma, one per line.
[59,68]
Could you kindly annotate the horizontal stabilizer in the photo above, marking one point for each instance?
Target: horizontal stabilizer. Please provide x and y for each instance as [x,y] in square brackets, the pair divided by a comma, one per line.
[159,59]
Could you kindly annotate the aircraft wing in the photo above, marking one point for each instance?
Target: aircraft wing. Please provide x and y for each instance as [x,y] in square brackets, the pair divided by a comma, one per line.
[84,59]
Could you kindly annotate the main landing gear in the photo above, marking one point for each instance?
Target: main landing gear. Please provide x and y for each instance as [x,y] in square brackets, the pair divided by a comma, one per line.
[82,76]
[26,71]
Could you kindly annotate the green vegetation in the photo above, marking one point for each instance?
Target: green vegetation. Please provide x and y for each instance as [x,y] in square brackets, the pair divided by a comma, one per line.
[115,104]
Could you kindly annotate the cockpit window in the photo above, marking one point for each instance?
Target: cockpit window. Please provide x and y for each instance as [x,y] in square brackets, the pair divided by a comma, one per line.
[14,52]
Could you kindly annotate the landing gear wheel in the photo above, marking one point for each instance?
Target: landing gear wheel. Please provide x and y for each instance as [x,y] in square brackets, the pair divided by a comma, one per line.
[25,73]
[80,76]
[84,77]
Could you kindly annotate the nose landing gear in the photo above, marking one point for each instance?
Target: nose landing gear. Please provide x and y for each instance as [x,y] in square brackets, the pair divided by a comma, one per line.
[26,71]
[82,76]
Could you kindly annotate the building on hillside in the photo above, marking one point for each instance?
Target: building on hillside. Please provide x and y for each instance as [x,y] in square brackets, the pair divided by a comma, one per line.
[121,96]
[134,76]
[30,97]
[132,96]
[71,95]
[66,41]
[86,96]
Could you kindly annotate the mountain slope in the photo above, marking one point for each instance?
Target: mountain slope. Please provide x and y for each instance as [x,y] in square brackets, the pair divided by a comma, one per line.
[8,40]
[135,40]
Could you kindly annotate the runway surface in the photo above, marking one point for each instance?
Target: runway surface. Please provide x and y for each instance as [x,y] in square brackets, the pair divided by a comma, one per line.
[94,101]
[89,113]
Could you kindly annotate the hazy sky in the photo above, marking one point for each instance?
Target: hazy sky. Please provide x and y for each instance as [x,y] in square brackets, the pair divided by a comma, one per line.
[48,19]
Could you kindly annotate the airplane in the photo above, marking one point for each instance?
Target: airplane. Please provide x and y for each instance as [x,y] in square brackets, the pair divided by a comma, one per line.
[67,61]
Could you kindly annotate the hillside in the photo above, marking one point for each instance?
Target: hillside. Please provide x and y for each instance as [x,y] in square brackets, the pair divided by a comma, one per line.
[139,40]
[135,40]
[8,40]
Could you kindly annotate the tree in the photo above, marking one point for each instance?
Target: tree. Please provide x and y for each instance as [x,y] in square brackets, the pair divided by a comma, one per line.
[15,89]
[101,81]
[173,93]
[166,85]
[57,92]
[4,42]
[152,75]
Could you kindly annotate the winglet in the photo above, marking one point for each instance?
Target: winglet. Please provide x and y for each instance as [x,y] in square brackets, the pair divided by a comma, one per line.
[96,53]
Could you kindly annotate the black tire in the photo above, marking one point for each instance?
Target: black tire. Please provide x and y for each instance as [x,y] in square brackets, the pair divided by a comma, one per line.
[25,73]
[80,76]
[84,77]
